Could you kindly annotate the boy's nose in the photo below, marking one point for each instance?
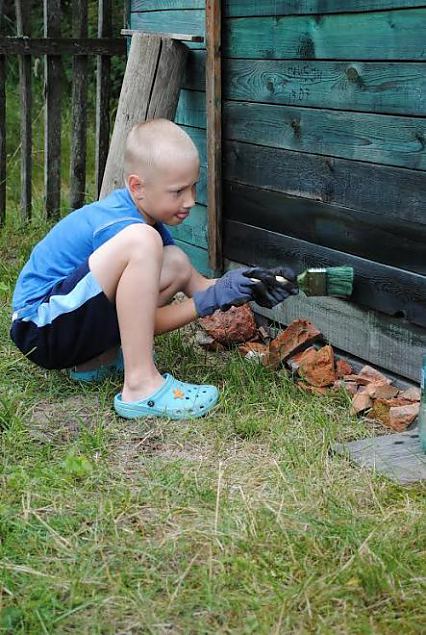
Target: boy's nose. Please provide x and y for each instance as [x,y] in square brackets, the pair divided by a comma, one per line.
[189,202]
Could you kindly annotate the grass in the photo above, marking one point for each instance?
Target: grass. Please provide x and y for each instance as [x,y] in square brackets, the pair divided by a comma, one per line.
[241,522]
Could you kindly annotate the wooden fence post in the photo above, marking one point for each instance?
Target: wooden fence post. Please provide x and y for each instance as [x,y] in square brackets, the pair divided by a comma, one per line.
[79,109]
[52,132]
[150,89]
[25,93]
[103,88]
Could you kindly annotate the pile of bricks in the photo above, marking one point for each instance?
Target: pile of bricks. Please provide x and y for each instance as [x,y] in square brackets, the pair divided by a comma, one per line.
[302,349]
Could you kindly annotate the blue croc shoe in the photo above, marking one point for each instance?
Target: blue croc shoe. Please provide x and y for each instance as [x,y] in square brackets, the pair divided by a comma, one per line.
[173,400]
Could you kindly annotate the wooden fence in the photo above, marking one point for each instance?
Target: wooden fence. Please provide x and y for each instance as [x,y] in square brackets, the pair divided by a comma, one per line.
[52,46]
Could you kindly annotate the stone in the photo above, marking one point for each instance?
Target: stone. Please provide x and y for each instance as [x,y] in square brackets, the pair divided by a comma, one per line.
[360,403]
[299,334]
[343,368]
[370,373]
[412,394]
[317,368]
[231,327]
[381,390]
[400,417]
[208,342]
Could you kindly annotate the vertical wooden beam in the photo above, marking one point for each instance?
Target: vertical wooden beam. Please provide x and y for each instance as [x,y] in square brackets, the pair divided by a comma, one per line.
[79,109]
[214,133]
[103,88]
[52,105]
[2,131]
[23,27]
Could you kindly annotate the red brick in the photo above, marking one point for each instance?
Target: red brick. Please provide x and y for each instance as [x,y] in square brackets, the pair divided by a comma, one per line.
[400,417]
[343,368]
[232,326]
[361,402]
[296,336]
[412,394]
[318,367]
[367,372]
[381,390]
[294,362]
[381,409]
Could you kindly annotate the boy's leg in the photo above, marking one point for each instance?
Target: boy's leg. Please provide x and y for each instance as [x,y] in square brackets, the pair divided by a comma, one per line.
[128,269]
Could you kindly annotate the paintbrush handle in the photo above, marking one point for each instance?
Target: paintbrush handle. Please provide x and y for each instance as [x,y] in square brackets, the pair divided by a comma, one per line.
[277,278]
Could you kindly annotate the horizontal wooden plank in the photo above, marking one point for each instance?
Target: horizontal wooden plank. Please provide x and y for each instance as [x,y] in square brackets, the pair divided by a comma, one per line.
[364,36]
[378,189]
[193,230]
[391,343]
[171,22]
[199,257]
[381,87]
[183,37]
[377,286]
[384,240]
[238,8]
[62,46]
[384,139]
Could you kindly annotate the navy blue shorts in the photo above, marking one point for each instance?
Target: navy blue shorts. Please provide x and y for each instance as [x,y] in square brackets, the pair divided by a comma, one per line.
[74,323]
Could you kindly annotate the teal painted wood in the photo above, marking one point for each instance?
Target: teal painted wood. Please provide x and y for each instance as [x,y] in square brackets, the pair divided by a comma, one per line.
[193,229]
[198,136]
[191,22]
[381,87]
[199,257]
[378,189]
[384,139]
[191,109]
[238,8]
[379,35]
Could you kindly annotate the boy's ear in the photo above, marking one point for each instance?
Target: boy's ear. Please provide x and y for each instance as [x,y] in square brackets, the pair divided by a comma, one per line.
[136,186]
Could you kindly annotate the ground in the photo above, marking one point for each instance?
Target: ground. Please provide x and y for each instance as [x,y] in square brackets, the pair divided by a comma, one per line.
[242,522]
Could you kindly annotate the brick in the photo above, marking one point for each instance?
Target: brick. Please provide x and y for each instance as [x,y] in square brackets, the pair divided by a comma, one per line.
[381,390]
[372,375]
[360,381]
[400,417]
[343,368]
[318,367]
[381,409]
[350,386]
[233,326]
[299,334]
[361,402]
[208,342]
[294,362]
[412,394]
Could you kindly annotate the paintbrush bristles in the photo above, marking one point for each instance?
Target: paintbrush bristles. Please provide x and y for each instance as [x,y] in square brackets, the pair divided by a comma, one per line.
[340,281]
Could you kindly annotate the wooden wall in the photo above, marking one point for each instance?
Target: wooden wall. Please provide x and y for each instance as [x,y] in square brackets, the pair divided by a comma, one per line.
[324,153]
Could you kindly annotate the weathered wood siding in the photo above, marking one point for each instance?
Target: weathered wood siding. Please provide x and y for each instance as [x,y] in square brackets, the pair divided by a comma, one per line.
[324,145]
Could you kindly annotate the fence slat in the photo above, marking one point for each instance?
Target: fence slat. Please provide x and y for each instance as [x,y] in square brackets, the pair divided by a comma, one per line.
[103,89]
[25,95]
[2,140]
[79,110]
[52,134]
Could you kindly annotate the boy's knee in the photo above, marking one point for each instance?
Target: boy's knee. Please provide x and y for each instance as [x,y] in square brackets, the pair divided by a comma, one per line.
[142,235]
[177,261]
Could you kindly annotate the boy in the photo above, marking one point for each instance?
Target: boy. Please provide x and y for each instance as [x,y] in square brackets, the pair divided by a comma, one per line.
[103,276]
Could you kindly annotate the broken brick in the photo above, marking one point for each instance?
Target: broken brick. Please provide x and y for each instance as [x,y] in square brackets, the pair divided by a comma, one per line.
[373,375]
[350,386]
[361,402]
[232,326]
[317,368]
[381,409]
[343,368]
[400,417]
[412,394]
[381,390]
[256,347]
[297,335]
[294,362]
[208,342]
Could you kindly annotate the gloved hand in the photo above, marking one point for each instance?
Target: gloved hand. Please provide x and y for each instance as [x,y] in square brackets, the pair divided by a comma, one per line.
[236,287]
[272,292]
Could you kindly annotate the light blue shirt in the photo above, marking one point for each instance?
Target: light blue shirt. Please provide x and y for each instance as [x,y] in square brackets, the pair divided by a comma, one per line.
[70,242]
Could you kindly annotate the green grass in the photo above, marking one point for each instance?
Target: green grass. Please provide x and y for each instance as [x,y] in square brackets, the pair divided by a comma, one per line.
[241,522]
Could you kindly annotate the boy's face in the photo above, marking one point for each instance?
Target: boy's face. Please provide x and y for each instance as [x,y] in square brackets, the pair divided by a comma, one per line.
[168,194]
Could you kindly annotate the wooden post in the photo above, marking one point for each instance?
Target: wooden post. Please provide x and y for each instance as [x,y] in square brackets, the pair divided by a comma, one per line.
[214,134]
[25,91]
[150,89]
[79,109]
[103,87]
[52,132]
[2,132]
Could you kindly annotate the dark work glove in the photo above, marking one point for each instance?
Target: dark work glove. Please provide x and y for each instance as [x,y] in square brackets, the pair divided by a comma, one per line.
[272,292]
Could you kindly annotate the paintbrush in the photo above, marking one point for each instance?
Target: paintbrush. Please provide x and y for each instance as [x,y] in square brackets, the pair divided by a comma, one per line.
[327,281]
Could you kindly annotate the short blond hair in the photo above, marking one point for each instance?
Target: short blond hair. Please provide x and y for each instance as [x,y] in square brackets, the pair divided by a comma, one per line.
[154,143]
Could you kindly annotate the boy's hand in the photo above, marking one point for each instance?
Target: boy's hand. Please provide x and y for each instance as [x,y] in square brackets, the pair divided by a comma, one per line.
[272,291]
[236,287]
